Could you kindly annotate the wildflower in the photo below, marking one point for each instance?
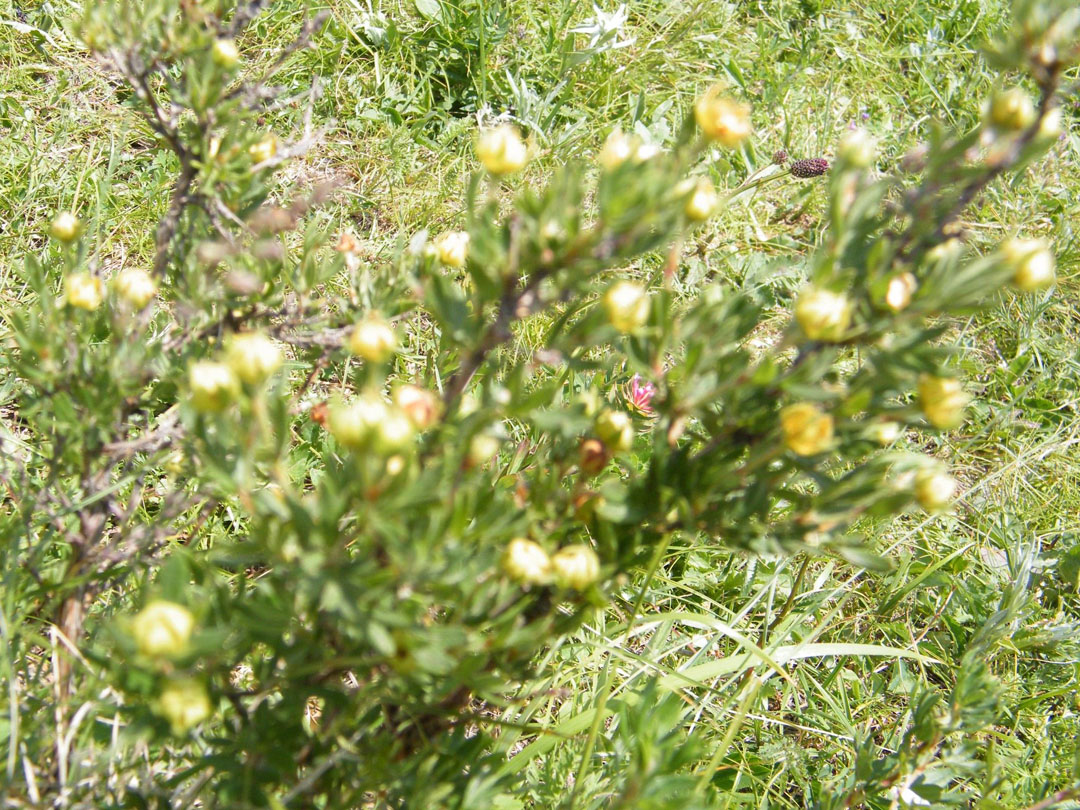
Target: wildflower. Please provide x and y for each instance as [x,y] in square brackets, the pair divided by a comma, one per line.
[135,286]
[184,703]
[807,429]
[213,385]
[576,566]
[354,423]
[722,119]
[627,306]
[253,356]
[422,407]
[639,395]
[898,293]
[934,488]
[225,53]
[373,339]
[823,314]
[501,150]
[809,167]
[618,148]
[452,248]
[1032,262]
[84,291]
[616,430]
[1011,110]
[65,227]
[264,149]
[943,401]
[702,201]
[526,562]
[162,628]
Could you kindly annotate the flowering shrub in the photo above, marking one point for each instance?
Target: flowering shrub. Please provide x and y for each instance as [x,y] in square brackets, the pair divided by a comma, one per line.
[358,502]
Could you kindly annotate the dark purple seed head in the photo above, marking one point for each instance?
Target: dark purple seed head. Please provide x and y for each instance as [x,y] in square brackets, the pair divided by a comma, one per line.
[779,157]
[810,167]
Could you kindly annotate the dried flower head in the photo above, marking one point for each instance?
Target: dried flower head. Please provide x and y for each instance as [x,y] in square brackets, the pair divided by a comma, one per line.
[809,167]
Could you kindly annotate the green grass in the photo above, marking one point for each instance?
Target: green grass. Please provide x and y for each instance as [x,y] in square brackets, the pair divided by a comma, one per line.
[397,114]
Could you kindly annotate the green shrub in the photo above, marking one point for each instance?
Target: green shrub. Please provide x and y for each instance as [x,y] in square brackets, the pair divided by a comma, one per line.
[359,497]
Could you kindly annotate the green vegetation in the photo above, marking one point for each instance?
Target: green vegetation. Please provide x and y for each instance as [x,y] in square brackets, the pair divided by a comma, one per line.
[249,573]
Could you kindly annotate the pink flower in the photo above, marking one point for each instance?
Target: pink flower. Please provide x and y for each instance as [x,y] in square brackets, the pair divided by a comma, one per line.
[639,395]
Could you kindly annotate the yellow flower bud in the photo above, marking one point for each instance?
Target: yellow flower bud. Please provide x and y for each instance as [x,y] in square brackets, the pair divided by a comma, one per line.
[373,339]
[943,401]
[627,306]
[394,433]
[184,703]
[822,314]
[163,629]
[934,489]
[885,432]
[1011,110]
[616,430]
[1032,262]
[65,227]
[482,448]
[225,53]
[702,202]
[576,566]
[501,150]
[135,286]
[422,407]
[1051,126]
[264,149]
[213,385]
[618,148]
[526,562]
[253,356]
[807,429]
[354,423]
[84,291]
[452,248]
[722,119]
[858,149]
[901,288]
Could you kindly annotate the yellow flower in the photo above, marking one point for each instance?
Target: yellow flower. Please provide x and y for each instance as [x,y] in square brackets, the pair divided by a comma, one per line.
[616,430]
[65,227]
[184,703]
[901,288]
[703,201]
[253,356]
[264,149]
[354,423]
[618,148]
[422,407]
[501,150]
[163,628]
[526,562]
[224,53]
[822,314]
[627,306]
[1032,262]
[722,119]
[576,566]
[213,385]
[452,248]
[807,429]
[934,489]
[135,286]
[943,401]
[1011,110]
[84,291]
[373,339]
